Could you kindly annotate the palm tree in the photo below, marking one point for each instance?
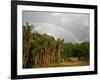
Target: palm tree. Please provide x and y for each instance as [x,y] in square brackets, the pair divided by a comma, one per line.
[51,49]
[27,45]
[59,47]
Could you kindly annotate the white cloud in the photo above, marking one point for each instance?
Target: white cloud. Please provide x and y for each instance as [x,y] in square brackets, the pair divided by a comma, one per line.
[64,20]
[56,14]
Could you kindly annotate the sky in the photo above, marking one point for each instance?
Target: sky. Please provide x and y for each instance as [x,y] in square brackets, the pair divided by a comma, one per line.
[72,27]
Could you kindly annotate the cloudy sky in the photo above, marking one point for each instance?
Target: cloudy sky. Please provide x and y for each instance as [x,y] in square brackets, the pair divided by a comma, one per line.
[73,27]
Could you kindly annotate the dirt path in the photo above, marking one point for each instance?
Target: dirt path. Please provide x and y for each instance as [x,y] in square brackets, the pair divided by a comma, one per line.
[65,64]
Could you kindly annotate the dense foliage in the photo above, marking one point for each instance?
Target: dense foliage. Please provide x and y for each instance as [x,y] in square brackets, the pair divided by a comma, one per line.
[42,50]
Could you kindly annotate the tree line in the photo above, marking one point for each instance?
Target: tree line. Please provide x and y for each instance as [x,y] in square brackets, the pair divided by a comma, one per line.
[42,50]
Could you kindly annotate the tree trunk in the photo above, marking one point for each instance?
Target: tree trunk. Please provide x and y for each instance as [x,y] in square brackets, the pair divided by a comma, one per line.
[48,57]
[36,58]
[59,47]
[53,56]
[45,52]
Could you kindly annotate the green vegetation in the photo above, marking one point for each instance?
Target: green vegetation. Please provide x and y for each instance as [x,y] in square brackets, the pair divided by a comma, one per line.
[42,50]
